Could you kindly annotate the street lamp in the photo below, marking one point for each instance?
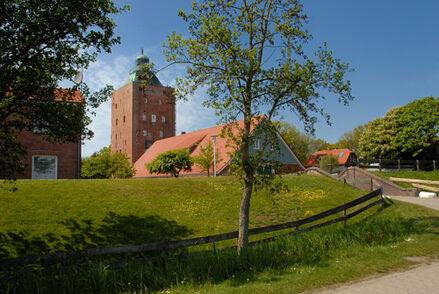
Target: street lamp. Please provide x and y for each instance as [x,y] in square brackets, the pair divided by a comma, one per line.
[214,155]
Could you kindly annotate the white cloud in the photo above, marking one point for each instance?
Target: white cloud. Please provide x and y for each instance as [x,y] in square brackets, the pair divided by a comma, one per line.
[98,75]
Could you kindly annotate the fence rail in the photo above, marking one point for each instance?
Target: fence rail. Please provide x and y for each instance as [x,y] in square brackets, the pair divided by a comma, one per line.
[397,164]
[175,244]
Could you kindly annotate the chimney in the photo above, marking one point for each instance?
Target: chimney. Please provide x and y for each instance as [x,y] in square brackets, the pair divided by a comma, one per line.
[182,133]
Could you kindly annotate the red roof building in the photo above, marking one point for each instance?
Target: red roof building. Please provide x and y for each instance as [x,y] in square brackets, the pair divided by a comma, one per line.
[196,140]
[345,157]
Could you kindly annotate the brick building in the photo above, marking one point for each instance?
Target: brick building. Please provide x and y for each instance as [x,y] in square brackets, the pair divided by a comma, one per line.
[140,114]
[48,160]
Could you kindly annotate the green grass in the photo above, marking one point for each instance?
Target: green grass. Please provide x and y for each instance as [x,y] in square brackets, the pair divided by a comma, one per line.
[375,244]
[48,216]
[420,175]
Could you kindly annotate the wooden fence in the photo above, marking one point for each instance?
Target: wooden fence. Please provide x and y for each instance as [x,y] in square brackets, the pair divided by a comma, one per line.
[397,164]
[175,244]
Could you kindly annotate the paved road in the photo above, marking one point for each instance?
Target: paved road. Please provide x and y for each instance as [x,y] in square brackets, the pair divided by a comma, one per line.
[423,279]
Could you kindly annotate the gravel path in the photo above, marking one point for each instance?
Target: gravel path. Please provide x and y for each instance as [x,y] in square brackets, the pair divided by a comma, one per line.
[422,279]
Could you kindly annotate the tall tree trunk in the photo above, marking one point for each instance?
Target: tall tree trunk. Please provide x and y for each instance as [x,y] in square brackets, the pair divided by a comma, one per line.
[244,211]
[244,215]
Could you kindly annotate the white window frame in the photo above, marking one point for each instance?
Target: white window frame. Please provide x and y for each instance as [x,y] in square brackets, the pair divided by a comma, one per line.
[153,118]
[146,100]
[161,134]
[144,133]
[257,144]
[36,176]
[143,116]
[163,119]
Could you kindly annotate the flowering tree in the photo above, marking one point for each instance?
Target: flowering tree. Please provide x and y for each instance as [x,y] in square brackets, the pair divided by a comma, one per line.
[406,132]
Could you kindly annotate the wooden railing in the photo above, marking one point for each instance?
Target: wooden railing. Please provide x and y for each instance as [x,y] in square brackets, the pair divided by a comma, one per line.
[175,244]
[397,164]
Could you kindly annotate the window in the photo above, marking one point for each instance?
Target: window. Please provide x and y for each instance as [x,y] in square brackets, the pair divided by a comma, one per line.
[115,106]
[340,155]
[163,119]
[144,133]
[146,100]
[161,134]
[160,102]
[44,167]
[116,136]
[272,147]
[153,118]
[143,116]
[124,118]
[257,145]
[116,121]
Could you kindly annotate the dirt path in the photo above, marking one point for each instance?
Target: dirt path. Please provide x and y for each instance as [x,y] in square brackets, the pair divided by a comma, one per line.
[422,279]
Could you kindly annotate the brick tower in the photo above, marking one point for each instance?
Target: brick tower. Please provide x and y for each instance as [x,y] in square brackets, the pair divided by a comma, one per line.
[141,114]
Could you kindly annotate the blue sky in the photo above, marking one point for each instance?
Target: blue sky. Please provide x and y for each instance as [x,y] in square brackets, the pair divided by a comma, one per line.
[393,46]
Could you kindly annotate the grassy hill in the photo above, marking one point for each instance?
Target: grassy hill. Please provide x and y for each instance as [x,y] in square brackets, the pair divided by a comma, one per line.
[48,216]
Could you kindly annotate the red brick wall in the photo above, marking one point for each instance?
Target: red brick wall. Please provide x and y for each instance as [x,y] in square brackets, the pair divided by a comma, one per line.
[68,154]
[129,102]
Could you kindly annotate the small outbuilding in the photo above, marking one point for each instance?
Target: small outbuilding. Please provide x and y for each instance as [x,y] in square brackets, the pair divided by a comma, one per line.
[346,157]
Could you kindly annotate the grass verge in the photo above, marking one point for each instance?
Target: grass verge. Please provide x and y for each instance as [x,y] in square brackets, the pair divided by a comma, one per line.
[420,175]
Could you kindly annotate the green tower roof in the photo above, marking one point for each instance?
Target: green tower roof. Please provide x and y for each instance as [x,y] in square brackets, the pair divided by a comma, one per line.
[136,72]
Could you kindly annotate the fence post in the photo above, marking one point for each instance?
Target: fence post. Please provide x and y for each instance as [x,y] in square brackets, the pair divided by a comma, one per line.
[358,162]
[380,164]
[417,164]
[434,164]
[381,197]
[399,164]
[344,216]
[371,184]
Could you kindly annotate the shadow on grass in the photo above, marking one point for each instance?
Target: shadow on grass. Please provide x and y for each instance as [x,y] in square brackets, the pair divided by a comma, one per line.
[113,230]
[314,248]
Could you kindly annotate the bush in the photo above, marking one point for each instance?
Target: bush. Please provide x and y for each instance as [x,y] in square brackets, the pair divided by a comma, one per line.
[104,165]
[328,163]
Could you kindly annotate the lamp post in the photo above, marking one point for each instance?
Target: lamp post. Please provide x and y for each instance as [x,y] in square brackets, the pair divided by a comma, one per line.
[214,155]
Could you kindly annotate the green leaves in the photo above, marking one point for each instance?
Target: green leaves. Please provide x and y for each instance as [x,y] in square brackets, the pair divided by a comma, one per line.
[104,165]
[406,132]
[41,44]
[171,162]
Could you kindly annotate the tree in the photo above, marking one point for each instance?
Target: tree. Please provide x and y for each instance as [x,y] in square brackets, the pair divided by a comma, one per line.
[171,162]
[406,132]
[302,144]
[205,160]
[104,165]
[250,54]
[350,139]
[42,43]
[328,162]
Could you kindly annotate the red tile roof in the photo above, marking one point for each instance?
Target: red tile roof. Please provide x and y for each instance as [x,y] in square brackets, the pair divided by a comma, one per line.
[68,95]
[192,141]
[341,154]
